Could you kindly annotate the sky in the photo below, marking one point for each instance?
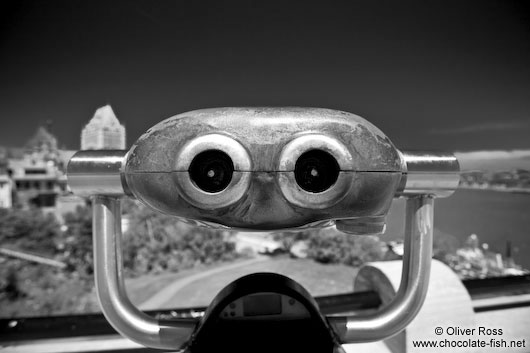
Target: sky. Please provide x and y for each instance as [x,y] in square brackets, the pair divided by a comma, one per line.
[442,75]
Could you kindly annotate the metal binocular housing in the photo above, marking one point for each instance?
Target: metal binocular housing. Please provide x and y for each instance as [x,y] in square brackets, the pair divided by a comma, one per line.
[265,169]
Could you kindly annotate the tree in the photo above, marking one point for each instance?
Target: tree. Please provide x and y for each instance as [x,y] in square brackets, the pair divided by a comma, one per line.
[156,242]
[289,238]
[10,283]
[331,246]
[77,241]
[29,230]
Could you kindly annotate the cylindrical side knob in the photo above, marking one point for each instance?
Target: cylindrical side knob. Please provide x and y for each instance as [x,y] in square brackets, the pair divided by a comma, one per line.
[431,173]
[97,172]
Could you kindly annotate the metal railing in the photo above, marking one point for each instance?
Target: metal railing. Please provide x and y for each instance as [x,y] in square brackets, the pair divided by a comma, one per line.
[86,325]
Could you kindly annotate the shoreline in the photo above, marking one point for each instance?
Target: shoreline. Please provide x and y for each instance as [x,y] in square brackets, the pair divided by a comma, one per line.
[498,189]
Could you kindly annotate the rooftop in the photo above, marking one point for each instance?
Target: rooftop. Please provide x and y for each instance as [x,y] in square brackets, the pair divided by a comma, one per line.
[104,116]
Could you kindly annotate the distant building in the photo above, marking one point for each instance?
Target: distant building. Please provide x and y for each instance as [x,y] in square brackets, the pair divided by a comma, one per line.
[5,192]
[103,131]
[35,176]
[6,199]
[36,172]
[42,146]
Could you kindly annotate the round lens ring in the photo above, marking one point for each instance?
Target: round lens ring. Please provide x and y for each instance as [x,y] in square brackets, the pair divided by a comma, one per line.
[211,170]
[316,171]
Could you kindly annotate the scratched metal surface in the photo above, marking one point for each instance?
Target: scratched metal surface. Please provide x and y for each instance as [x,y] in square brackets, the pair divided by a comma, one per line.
[264,132]
[376,173]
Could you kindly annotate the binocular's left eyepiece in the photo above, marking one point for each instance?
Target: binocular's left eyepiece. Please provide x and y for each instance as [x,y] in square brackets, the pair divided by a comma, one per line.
[212,171]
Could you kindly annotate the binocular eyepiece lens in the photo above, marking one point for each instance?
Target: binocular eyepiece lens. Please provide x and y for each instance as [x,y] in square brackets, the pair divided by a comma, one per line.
[211,170]
[316,171]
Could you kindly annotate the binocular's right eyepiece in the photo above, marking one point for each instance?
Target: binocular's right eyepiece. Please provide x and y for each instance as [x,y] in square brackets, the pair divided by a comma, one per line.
[316,171]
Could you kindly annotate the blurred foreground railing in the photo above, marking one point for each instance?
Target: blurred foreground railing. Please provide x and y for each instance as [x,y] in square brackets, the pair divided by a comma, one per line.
[485,293]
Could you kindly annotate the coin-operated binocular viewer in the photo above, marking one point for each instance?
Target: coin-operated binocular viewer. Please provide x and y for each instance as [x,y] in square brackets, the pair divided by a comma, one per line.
[264,169]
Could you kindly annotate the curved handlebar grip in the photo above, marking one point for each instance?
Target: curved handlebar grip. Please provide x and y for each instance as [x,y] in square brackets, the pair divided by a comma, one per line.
[414,281]
[100,173]
[426,175]
[116,306]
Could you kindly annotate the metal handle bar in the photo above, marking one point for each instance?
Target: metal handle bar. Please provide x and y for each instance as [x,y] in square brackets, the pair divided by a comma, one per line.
[116,306]
[414,281]
[100,173]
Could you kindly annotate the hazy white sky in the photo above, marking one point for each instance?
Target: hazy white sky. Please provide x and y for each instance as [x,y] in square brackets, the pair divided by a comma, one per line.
[494,160]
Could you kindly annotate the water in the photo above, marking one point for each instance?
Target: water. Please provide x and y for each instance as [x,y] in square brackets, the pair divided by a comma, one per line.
[496,217]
